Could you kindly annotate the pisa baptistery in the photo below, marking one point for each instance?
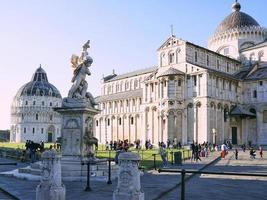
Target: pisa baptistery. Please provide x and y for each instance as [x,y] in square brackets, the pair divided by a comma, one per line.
[32,114]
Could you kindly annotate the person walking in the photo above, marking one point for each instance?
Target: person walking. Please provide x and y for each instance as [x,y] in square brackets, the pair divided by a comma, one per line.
[163,154]
[236,154]
[261,152]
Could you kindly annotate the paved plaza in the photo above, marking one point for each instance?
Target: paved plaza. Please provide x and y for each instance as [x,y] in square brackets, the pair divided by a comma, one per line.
[166,185]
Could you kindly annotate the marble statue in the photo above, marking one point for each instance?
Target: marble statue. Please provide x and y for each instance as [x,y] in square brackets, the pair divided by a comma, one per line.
[89,140]
[80,67]
[78,95]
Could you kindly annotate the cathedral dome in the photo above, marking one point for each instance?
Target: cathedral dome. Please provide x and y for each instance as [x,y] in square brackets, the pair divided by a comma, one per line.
[38,86]
[236,20]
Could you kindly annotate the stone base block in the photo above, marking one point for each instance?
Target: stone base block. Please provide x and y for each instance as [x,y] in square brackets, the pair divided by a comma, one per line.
[131,196]
[46,192]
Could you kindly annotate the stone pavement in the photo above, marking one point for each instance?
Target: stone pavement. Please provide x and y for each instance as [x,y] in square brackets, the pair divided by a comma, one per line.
[154,184]
[202,187]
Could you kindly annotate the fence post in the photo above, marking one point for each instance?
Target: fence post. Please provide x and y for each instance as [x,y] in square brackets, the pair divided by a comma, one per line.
[183,184]
[155,161]
[172,157]
[109,171]
[88,188]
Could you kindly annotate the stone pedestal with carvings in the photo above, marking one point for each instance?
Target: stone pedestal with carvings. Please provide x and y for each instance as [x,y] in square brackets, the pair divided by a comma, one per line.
[76,123]
[129,186]
[51,187]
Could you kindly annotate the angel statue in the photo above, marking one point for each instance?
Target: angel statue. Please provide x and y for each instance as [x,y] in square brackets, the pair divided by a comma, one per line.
[80,67]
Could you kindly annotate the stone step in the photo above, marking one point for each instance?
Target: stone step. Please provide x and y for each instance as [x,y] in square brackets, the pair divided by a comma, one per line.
[28,170]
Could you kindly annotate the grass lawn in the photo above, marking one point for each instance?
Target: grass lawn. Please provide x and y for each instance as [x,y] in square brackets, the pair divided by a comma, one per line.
[146,156]
[18,145]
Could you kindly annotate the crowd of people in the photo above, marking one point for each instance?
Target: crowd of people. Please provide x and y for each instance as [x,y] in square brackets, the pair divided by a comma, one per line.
[32,148]
[118,145]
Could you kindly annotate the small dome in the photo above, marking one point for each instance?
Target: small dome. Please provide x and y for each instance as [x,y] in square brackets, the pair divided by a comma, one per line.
[235,20]
[39,86]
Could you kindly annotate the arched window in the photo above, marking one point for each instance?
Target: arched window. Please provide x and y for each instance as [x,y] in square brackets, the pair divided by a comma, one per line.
[120,121]
[260,55]
[36,116]
[171,58]
[255,94]
[108,121]
[132,120]
[96,122]
[196,56]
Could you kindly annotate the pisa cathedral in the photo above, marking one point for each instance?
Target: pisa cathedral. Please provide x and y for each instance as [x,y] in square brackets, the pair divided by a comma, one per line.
[213,94]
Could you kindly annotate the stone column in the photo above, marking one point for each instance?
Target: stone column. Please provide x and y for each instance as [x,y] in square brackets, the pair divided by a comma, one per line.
[129,186]
[51,187]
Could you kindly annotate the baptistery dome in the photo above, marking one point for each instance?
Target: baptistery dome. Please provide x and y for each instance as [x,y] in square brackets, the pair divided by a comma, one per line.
[38,86]
[32,114]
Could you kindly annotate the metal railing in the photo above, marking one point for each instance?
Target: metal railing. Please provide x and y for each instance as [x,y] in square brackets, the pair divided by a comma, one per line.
[9,163]
[94,162]
[183,173]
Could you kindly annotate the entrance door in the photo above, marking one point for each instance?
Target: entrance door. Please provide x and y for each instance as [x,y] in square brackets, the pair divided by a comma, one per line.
[50,137]
[234,135]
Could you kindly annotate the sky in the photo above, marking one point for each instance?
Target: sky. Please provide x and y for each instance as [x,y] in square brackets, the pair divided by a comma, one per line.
[124,34]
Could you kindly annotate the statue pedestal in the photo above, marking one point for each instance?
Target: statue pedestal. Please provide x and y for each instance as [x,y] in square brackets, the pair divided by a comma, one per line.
[76,122]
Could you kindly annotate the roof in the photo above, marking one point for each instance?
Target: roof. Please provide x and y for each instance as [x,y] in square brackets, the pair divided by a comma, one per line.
[258,74]
[38,86]
[241,112]
[171,71]
[121,95]
[131,74]
[215,71]
[213,52]
[259,45]
[236,20]
[106,78]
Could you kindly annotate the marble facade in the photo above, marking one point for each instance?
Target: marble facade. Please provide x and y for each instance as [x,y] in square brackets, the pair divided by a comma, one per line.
[213,94]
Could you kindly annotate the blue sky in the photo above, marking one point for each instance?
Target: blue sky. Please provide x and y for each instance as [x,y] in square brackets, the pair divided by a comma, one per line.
[124,36]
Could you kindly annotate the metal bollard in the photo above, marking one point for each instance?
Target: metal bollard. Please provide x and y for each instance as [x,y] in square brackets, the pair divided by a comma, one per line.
[88,188]
[109,172]
[172,157]
[183,184]
[154,161]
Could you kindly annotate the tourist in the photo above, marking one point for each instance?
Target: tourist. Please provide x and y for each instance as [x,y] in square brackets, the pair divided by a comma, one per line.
[197,152]
[192,147]
[163,154]
[111,145]
[236,154]
[107,146]
[223,150]
[168,143]
[252,153]
[33,149]
[261,151]
[244,147]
